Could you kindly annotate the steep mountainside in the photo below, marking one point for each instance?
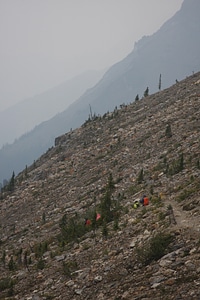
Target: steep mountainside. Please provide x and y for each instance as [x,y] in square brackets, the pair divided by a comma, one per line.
[148,147]
[173,51]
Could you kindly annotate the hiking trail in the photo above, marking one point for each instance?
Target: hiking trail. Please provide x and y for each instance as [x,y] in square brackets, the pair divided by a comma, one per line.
[184,219]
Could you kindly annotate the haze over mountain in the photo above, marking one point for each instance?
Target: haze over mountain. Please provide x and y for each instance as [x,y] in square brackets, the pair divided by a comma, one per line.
[173,51]
[25,115]
[45,43]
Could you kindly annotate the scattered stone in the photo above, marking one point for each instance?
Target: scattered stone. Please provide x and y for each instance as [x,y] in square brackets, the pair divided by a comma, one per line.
[98,278]
[64,182]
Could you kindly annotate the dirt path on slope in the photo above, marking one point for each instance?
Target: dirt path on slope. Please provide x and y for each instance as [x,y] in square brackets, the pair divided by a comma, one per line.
[184,220]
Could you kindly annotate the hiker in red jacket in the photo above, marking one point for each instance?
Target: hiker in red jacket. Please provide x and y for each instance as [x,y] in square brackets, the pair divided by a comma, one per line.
[87,222]
[144,200]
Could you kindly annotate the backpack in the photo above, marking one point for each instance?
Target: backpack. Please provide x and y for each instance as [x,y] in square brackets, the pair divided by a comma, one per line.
[146,201]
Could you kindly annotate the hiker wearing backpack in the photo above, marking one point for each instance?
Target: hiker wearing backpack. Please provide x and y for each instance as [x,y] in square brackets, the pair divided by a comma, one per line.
[145,200]
[87,222]
[136,204]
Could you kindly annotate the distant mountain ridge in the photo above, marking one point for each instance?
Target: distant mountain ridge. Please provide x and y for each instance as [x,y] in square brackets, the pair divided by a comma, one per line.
[173,51]
[25,115]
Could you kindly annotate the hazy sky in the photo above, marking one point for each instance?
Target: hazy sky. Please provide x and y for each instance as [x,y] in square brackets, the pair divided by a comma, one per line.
[45,42]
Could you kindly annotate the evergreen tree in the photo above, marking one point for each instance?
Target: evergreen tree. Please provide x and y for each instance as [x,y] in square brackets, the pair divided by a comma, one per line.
[26,171]
[146,92]
[116,224]
[4,258]
[181,162]
[19,256]
[137,97]
[26,259]
[168,131]
[159,84]
[43,217]
[106,202]
[106,207]
[11,184]
[110,184]
[198,164]
[140,176]
[11,264]
[105,229]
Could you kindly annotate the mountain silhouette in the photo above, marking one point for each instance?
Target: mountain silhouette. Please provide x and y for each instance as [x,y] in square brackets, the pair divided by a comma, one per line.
[25,115]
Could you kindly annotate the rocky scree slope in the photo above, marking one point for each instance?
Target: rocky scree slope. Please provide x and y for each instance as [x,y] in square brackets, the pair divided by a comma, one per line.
[150,146]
